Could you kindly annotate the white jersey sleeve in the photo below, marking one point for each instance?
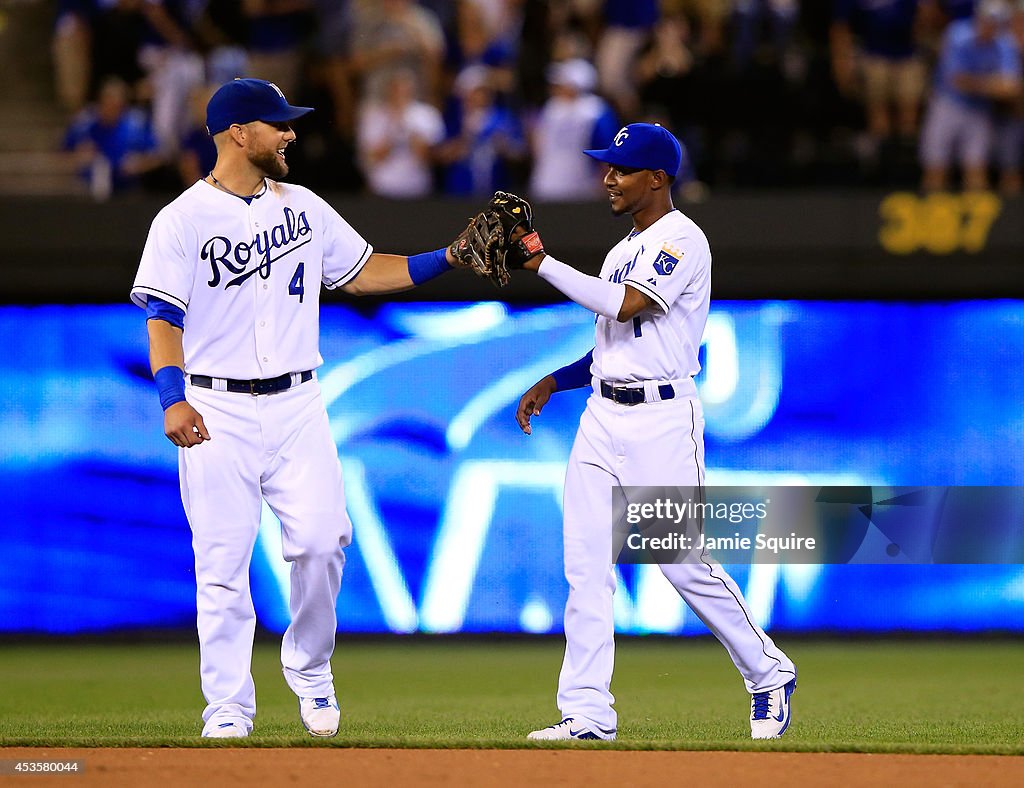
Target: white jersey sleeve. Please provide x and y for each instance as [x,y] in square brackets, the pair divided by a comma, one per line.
[666,270]
[345,250]
[167,268]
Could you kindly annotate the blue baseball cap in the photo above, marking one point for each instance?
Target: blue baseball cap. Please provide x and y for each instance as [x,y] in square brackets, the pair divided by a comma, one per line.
[642,146]
[246,100]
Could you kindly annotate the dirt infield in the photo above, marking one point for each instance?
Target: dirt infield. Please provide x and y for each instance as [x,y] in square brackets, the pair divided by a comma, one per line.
[250,768]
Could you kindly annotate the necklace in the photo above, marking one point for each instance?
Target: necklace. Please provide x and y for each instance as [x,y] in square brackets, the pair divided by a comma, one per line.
[221,186]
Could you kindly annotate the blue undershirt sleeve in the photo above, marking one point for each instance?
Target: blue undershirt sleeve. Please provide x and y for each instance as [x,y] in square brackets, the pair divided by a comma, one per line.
[575,375]
[158,309]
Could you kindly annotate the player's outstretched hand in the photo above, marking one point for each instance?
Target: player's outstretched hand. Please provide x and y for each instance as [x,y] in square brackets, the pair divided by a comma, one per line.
[533,402]
[183,425]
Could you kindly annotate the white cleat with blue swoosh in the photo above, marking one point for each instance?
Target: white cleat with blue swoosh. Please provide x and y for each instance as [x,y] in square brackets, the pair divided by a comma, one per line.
[771,712]
[225,730]
[568,729]
[320,716]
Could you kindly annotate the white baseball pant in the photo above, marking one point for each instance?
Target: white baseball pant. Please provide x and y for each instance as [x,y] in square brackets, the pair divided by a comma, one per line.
[651,444]
[276,447]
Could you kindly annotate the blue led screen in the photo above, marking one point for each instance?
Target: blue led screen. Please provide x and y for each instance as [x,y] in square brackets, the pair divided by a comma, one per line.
[457,513]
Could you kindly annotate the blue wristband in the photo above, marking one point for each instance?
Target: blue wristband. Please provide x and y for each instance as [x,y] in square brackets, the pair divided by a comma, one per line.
[423,267]
[575,375]
[170,384]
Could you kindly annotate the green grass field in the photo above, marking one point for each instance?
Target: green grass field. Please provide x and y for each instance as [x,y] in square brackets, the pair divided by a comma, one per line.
[860,696]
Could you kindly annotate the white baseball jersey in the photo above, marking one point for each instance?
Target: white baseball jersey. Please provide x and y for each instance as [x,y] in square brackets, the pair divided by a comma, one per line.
[248,276]
[670,261]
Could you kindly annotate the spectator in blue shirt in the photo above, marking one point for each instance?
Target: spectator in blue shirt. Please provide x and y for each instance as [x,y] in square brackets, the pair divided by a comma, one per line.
[979,68]
[483,137]
[874,58]
[112,141]
[628,25]
[748,16]
[277,31]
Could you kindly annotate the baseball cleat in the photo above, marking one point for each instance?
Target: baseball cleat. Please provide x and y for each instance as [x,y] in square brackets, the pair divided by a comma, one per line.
[320,716]
[225,730]
[771,712]
[570,729]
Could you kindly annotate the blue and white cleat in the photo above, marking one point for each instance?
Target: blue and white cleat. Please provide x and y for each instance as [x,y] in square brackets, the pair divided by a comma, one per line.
[320,716]
[225,730]
[569,729]
[771,712]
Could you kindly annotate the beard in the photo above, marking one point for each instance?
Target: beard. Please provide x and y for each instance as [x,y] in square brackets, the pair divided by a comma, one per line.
[270,163]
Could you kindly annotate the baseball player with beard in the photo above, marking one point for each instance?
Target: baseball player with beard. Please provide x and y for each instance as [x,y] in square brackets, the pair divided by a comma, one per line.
[230,279]
[643,426]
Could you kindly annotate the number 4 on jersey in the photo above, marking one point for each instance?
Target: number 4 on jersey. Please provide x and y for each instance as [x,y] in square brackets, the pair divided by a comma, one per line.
[295,287]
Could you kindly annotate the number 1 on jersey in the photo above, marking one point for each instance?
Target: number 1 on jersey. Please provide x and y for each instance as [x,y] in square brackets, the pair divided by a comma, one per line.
[295,287]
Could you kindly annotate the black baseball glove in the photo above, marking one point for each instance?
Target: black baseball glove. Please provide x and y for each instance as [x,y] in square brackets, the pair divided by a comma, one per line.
[498,239]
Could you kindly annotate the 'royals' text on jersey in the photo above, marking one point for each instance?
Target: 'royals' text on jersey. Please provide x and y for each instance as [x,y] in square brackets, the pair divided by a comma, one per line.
[670,261]
[248,276]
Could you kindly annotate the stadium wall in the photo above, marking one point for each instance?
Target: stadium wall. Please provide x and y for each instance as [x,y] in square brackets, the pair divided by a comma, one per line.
[784,245]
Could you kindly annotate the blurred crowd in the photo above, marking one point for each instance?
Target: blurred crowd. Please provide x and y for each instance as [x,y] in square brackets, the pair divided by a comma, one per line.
[463,97]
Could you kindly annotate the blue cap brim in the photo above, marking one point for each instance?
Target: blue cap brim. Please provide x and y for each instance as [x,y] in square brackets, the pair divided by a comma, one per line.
[619,159]
[288,113]
[607,156]
[623,159]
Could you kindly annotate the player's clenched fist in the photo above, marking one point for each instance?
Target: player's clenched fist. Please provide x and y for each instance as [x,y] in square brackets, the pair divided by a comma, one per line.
[533,402]
[183,425]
